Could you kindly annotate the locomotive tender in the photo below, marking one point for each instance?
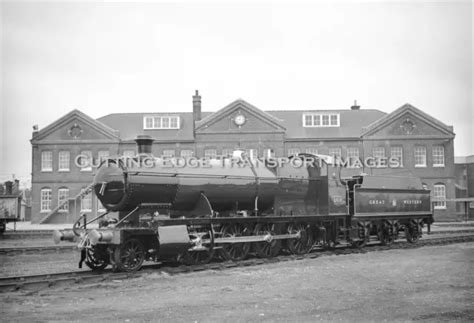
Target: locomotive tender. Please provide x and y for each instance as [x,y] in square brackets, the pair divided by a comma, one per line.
[230,207]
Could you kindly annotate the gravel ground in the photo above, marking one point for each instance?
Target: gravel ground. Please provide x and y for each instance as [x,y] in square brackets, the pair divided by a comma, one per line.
[31,264]
[424,284]
[33,242]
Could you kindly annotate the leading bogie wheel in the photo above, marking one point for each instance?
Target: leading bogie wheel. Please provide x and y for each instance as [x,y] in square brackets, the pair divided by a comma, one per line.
[97,258]
[130,255]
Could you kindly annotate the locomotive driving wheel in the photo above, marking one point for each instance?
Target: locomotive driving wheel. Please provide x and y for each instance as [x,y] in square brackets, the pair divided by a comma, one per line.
[304,243]
[129,256]
[235,251]
[269,248]
[97,258]
[202,249]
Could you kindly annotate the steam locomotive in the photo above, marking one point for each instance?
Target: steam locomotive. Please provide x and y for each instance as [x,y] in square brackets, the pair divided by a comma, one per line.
[172,209]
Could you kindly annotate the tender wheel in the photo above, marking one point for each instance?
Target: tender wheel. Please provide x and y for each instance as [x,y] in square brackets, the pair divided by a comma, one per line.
[363,238]
[97,258]
[235,251]
[270,248]
[304,243]
[202,249]
[358,244]
[412,234]
[385,235]
[129,256]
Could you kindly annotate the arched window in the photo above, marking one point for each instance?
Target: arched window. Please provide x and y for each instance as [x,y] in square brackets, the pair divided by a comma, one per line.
[63,195]
[45,203]
[439,193]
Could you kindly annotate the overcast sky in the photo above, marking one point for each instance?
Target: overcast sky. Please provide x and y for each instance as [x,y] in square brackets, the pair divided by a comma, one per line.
[126,57]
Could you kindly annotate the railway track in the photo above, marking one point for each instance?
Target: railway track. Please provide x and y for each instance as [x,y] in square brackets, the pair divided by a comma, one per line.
[37,282]
[30,250]
[14,251]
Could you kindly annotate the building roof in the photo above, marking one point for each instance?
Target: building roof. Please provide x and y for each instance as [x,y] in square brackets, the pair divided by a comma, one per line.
[95,124]
[130,125]
[239,103]
[379,123]
[351,123]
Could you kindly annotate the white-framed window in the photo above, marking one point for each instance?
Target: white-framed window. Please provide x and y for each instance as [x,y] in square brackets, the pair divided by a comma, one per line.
[335,152]
[86,203]
[210,153]
[103,155]
[293,152]
[226,152]
[46,161]
[161,122]
[129,153]
[321,120]
[268,153]
[420,156]
[63,161]
[352,156]
[378,152]
[311,150]
[63,195]
[353,152]
[45,202]
[168,153]
[438,156]
[252,153]
[186,153]
[86,161]
[439,192]
[396,152]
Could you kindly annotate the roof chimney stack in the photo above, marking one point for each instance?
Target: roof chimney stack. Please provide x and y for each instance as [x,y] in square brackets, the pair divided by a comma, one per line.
[144,143]
[355,106]
[8,188]
[196,106]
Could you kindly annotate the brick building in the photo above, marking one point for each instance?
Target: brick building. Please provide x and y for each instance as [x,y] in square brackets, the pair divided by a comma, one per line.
[464,185]
[423,145]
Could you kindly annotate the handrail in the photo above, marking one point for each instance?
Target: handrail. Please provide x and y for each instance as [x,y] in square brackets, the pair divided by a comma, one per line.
[81,194]
[125,217]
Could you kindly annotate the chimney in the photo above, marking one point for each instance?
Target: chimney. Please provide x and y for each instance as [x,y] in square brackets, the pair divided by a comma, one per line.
[144,143]
[35,130]
[8,188]
[196,106]
[355,106]
[16,187]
